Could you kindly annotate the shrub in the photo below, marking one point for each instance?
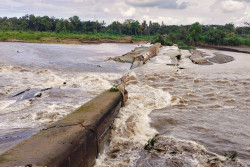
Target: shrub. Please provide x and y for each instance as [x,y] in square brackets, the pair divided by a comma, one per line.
[233,41]
[113,89]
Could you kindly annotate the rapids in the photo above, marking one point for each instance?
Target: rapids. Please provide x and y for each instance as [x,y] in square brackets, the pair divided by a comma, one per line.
[203,122]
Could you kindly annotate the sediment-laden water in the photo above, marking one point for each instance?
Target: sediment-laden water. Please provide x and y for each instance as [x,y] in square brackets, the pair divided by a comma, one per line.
[199,114]
[41,83]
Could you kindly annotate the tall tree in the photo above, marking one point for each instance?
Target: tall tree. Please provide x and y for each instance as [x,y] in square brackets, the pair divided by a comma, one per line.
[76,23]
[194,33]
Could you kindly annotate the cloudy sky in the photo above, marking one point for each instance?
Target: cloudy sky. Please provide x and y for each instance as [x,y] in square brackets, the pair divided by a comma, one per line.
[167,11]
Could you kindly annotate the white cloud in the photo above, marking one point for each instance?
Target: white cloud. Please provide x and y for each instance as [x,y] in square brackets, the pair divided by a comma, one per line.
[165,4]
[128,13]
[231,6]
[81,1]
[204,11]
[106,10]
[244,18]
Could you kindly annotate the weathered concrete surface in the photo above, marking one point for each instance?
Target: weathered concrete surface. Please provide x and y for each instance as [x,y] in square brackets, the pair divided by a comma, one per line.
[145,54]
[75,140]
[198,57]
[138,56]
[175,56]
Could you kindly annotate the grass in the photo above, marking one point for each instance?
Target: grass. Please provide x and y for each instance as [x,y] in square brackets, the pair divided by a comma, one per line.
[245,41]
[53,37]
[185,47]
[142,38]
[65,37]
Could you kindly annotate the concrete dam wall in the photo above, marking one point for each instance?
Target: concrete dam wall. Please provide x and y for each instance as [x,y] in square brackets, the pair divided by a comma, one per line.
[76,140]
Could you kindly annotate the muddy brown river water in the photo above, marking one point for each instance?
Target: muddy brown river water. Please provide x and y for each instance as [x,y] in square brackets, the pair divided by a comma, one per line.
[198,113]
[65,76]
[190,108]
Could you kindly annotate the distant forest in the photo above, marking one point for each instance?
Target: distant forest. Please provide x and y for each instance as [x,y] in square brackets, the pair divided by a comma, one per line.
[189,34]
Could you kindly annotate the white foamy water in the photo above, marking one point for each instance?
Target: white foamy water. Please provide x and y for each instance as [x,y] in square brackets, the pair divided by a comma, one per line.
[65,76]
[197,114]
[131,128]
[207,117]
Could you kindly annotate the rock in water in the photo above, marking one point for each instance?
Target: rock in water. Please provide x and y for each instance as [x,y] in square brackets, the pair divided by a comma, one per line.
[108,58]
[221,58]
[38,94]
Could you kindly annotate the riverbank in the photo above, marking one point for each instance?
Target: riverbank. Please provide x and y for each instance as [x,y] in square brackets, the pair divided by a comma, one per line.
[239,49]
[70,38]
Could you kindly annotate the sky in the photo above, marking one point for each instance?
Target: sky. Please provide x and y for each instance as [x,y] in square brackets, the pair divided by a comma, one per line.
[170,12]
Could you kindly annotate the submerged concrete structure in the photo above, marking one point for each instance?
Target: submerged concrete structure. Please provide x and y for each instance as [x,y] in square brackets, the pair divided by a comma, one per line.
[138,56]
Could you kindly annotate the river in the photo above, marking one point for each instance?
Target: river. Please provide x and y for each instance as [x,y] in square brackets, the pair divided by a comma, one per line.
[66,76]
[197,114]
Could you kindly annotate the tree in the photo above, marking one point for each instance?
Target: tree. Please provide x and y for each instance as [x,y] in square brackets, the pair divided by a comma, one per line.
[229,28]
[214,36]
[135,25]
[153,28]
[59,25]
[130,27]
[115,27]
[76,23]
[24,23]
[45,24]
[144,27]
[194,33]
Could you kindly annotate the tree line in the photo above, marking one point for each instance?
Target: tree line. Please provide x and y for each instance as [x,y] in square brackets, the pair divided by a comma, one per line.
[193,34]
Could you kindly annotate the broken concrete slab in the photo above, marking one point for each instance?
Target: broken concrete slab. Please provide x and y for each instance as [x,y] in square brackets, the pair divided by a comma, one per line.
[138,56]
[198,57]
[175,56]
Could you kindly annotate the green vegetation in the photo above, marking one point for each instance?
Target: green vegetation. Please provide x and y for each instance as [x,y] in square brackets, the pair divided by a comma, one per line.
[53,37]
[197,34]
[113,89]
[150,144]
[185,47]
[194,33]
[52,30]
[50,36]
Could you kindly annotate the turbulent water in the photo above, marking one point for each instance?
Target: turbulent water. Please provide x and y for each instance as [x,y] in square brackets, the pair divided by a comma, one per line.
[66,76]
[199,114]
[196,114]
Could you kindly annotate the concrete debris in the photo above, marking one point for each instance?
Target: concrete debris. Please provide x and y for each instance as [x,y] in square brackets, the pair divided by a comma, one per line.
[198,57]
[138,56]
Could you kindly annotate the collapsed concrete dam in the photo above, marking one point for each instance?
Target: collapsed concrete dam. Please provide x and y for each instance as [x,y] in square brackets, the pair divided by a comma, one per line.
[138,56]
[77,139]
